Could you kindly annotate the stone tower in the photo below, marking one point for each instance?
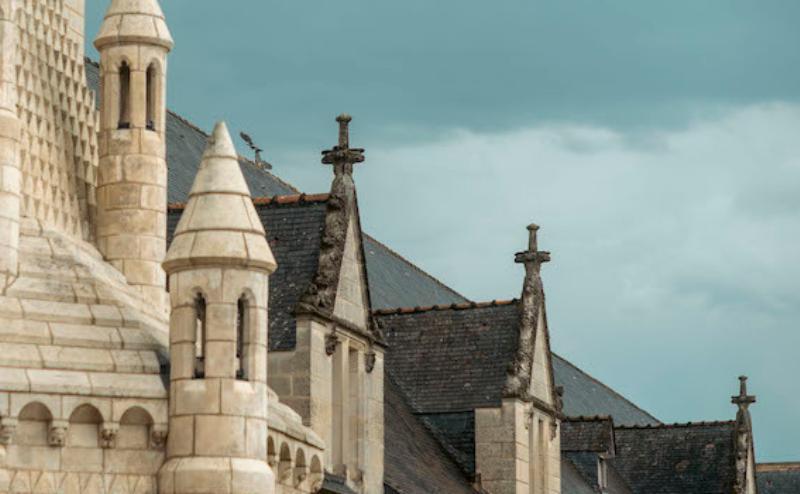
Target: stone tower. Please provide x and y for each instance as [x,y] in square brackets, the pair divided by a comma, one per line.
[132,178]
[219,265]
[9,145]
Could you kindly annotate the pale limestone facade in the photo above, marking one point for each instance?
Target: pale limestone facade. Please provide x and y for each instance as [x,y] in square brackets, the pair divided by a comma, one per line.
[85,334]
[89,327]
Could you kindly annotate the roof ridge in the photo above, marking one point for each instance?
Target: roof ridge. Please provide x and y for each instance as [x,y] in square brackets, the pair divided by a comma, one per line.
[591,418]
[471,305]
[414,266]
[778,466]
[678,425]
[606,387]
[271,200]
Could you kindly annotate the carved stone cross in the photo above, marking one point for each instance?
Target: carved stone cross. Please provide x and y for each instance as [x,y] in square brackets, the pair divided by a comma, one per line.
[342,157]
[743,401]
[533,256]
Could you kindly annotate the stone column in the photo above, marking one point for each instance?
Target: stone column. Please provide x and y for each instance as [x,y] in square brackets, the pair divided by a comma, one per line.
[10,176]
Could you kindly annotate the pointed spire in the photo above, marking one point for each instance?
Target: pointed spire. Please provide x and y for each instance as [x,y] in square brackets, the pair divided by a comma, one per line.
[220,225]
[134,21]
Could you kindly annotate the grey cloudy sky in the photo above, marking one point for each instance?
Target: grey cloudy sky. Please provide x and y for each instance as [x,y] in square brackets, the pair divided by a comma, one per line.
[655,142]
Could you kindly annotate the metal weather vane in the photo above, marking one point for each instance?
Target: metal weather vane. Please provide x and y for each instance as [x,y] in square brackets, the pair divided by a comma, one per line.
[260,162]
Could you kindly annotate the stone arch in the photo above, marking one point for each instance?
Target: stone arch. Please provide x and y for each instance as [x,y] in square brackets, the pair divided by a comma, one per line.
[84,427]
[315,475]
[272,452]
[152,89]
[285,463]
[300,467]
[34,423]
[134,429]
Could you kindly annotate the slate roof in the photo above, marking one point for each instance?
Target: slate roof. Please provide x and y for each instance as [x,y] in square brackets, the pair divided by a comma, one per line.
[451,360]
[414,461]
[395,282]
[778,478]
[585,396]
[596,435]
[677,459]
[572,481]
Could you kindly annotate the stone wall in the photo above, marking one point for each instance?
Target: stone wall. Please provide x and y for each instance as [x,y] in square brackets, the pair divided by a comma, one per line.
[58,151]
[509,452]
[351,297]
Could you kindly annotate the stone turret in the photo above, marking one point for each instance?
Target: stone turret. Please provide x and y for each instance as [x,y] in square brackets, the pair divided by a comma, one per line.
[219,265]
[132,179]
[10,178]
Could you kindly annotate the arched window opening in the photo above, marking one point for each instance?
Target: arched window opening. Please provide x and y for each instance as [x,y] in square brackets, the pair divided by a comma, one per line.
[125,96]
[151,97]
[242,330]
[200,337]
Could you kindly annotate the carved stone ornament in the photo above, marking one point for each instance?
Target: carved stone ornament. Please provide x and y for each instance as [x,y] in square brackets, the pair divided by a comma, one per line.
[518,378]
[108,435]
[8,429]
[553,430]
[369,361]
[58,433]
[331,342]
[300,474]
[158,437]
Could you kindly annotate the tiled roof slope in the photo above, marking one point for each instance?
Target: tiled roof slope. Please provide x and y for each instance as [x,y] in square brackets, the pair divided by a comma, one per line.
[595,435]
[677,459]
[395,282]
[451,360]
[572,482]
[454,360]
[414,462]
[585,396]
[185,145]
[294,227]
[778,478]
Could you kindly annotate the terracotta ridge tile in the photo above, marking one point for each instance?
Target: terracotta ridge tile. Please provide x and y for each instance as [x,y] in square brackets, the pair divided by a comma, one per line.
[679,425]
[778,467]
[271,200]
[590,418]
[472,305]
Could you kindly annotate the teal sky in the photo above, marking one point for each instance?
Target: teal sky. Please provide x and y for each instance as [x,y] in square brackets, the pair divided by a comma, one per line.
[655,142]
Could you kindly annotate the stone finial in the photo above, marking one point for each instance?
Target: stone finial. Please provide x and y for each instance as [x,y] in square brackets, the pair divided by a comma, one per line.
[134,22]
[342,156]
[220,225]
[743,401]
[533,255]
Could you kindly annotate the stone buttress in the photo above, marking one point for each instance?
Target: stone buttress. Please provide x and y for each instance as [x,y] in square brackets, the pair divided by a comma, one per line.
[219,265]
[132,178]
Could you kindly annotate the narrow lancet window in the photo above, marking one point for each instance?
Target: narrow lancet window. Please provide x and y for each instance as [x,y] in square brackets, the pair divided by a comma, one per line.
[200,337]
[151,97]
[242,326]
[124,96]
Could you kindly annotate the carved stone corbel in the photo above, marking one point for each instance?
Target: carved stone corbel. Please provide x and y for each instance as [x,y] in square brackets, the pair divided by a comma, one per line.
[369,361]
[57,437]
[331,342]
[158,436]
[300,475]
[284,471]
[8,430]
[108,435]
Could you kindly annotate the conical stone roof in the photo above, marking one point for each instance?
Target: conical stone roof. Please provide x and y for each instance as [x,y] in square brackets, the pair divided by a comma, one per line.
[134,21]
[220,225]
